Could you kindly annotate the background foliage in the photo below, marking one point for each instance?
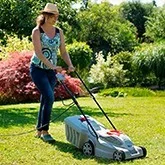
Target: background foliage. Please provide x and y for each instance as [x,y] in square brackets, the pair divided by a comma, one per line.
[137,13]
[116,30]
[103,28]
[151,59]
[107,73]
[155,26]
[19,17]
[81,55]
[13,44]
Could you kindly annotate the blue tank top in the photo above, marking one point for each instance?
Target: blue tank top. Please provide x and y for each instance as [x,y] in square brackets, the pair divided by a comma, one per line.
[49,49]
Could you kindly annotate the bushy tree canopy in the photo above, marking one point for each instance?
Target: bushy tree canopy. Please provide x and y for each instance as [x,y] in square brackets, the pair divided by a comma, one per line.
[137,13]
[155,26]
[18,16]
[103,28]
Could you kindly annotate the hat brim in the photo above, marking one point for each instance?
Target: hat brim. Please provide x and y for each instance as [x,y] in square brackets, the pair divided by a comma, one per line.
[51,12]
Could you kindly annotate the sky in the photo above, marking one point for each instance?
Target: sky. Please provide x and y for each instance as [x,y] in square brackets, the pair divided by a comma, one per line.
[117,2]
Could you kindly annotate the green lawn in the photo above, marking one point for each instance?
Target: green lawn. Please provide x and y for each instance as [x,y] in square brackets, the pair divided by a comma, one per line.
[141,118]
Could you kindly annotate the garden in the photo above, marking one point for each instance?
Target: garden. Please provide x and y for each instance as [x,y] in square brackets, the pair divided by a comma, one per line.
[118,50]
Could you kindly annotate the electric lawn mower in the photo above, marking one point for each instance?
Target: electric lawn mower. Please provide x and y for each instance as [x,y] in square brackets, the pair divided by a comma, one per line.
[94,138]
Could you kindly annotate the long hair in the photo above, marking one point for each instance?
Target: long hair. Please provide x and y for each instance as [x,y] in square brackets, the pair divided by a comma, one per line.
[42,17]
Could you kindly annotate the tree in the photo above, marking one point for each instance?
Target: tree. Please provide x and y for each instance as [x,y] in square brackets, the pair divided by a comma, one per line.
[103,28]
[85,3]
[155,26]
[18,16]
[68,19]
[137,13]
[154,3]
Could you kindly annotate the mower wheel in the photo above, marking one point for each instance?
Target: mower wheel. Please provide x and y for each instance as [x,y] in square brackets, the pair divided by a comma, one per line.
[118,156]
[88,148]
[144,151]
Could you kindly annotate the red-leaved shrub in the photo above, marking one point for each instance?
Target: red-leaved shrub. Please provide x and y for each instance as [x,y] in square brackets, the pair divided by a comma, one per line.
[16,85]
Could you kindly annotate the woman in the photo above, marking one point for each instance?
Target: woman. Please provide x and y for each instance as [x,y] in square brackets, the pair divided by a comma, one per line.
[47,39]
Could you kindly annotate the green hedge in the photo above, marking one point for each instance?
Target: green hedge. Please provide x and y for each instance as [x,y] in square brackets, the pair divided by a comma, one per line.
[81,55]
[122,92]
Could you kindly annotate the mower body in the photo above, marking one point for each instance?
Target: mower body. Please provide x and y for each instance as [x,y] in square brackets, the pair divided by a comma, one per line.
[111,144]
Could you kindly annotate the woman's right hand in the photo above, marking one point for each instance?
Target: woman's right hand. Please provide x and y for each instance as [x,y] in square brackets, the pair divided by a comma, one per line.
[58,69]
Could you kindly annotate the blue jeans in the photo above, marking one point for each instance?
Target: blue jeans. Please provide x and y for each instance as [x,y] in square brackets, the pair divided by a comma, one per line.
[45,81]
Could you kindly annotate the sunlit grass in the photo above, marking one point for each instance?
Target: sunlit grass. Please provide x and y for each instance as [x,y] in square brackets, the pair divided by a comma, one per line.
[141,118]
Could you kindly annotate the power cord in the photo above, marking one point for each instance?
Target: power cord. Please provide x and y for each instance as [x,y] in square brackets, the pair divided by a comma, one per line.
[27,132]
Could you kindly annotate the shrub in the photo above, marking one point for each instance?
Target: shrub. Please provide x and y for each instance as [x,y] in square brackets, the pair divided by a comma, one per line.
[151,59]
[15,81]
[122,92]
[80,54]
[108,73]
[13,44]
[16,85]
[125,58]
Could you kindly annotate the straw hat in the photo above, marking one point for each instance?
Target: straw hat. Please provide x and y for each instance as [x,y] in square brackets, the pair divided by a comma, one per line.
[50,8]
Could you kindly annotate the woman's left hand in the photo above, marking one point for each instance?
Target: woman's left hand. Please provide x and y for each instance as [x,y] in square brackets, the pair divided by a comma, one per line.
[71,68]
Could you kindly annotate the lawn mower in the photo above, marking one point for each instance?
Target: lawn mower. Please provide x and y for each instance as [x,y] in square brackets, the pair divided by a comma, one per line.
[93,138]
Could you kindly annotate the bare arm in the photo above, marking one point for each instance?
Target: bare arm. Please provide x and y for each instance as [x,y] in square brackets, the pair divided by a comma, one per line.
[38,49]
[65,56]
